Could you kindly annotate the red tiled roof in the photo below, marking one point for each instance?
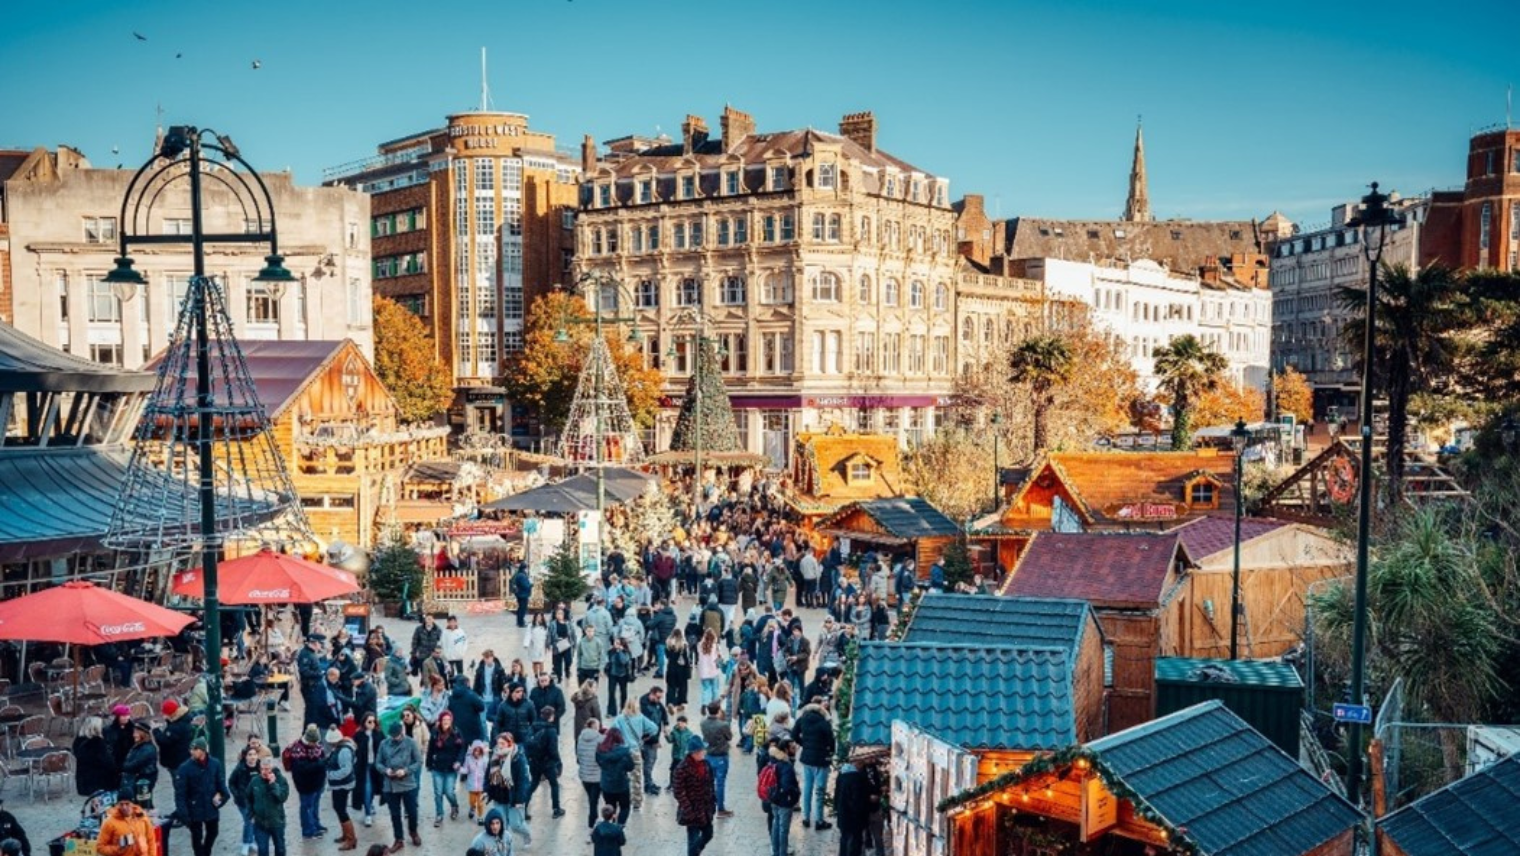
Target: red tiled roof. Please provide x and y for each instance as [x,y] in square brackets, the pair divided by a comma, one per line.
[1104,569]
[1209,535]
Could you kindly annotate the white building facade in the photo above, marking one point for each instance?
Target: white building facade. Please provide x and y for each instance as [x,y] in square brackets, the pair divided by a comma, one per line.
[63,220]
[1144,305]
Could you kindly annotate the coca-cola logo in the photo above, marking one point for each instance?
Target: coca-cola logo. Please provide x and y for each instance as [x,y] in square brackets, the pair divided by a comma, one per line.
[269,594]
[122,629]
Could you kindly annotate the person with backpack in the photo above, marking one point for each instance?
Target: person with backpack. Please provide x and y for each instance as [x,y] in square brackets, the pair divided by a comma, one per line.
[342,775]
[696,797]
[779,790]
[543,756]
[522,592]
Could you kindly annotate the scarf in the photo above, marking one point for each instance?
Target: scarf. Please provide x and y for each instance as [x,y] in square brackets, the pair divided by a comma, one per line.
[501,768]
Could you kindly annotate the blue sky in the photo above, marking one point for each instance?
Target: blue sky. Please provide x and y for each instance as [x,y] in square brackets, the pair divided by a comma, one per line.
[1248,107]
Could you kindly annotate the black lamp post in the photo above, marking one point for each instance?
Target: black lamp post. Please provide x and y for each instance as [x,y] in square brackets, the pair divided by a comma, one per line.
[1239,438]
[997,468]
[1374,220]
[189,142]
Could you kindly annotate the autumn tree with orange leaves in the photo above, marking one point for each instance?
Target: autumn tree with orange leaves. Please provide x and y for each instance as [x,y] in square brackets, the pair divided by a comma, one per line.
[544,373]
[406,361]
[1294,395]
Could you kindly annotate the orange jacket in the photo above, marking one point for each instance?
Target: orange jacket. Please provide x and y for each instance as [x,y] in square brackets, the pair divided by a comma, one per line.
[137,824]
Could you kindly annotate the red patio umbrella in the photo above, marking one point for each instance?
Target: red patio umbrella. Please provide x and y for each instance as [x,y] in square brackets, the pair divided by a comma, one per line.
[81,613]
[269,577]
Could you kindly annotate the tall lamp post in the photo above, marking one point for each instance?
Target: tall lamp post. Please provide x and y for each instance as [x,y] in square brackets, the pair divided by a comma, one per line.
[192,143]
[602,286]
[700,321]
[1374,219]
[1239,438]
[997,467]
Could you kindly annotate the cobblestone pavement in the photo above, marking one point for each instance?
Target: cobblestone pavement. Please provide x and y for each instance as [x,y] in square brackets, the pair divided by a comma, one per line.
[650,831]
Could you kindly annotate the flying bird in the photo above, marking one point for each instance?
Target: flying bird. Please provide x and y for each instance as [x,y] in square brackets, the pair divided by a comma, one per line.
[140,36]
[179,56]
[257,65]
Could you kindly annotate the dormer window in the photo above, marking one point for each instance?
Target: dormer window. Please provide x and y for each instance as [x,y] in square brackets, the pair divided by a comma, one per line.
[860,472]
[1201,491]
[604,196]
[826,176]
[646,192]
[688,186]
[939,194]
[778,178]
[731,182]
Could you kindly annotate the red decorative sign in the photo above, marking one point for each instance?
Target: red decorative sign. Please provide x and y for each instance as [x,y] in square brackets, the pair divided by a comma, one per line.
[1143,511]
[449,583]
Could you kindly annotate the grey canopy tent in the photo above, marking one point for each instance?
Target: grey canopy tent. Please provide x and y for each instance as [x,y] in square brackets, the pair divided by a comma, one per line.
[577,493]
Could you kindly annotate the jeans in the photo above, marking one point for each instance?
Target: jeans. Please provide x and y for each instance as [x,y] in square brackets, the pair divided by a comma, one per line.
[202,836]
[247,826]
[781,829]
[550,775]
[593,798]
[659,657]
[617,695]
[622,803]
[517,822]
[709,691]
[815,780]
[444,786]
[311,820]
[697,838]
[651,757]
[402,800]
[719,765]
[263,837]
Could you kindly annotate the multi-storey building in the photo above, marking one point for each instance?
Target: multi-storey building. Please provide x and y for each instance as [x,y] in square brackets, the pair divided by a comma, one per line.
[470,223]
[1479,225]
[62,220]
[1144,306]
[827,265]
[1308,271]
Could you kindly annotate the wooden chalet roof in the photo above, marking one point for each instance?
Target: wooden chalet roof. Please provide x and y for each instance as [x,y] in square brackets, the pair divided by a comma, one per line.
[907,518]
[282,369]
[1106,485]
[1469,817]
[821,467]
[1106,569]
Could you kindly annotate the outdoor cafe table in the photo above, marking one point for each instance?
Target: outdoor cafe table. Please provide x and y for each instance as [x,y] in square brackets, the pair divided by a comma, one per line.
[8,723]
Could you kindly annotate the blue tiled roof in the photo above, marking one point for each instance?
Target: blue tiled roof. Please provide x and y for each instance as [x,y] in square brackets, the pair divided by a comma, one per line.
[1237,794]
[1470,817]
[909,517]
[974,696]
[988,619]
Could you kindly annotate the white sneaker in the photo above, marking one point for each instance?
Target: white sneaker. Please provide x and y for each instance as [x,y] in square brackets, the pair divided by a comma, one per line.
[369,820]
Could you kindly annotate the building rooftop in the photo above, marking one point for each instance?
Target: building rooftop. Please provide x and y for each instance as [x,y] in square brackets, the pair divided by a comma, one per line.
[971,695]
[908,518]
[1469,817]
[991,620]
[1117,488]
[27,365]
[1215,533]
[1223,784]
[1183,245]
[1109,569]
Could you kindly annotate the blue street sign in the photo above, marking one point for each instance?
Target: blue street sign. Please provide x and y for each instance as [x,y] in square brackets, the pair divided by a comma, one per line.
[1353,713]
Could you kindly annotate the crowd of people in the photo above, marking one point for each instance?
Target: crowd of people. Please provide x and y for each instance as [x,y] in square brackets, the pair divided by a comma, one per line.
[717,603]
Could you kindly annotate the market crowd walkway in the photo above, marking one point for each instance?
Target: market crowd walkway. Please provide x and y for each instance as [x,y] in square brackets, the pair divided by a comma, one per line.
[651,832]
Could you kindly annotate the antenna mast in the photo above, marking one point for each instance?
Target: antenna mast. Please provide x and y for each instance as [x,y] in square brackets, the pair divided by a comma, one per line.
[485,88]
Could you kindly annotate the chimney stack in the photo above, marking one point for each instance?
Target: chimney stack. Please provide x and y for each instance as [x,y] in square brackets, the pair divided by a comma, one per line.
[736,125]
[588,154]
[860,128]
[693,133]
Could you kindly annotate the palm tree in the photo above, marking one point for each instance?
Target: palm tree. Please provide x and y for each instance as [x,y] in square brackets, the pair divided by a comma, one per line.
[1187,368]
[1413,342]
[1044,364]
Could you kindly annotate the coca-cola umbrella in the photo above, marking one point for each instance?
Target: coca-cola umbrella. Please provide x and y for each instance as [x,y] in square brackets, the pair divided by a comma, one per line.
[82,613]
[268,577]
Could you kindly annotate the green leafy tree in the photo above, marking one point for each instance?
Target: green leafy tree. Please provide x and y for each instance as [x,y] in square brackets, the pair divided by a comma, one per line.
[1042,365]
[562,581]
[1187,369]
[957,563]
[395,574]
[708,397]
[1413,344]
[406,361]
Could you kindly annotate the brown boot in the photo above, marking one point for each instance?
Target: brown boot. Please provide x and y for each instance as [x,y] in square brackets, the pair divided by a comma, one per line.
[416,839]
[396,846]
[349,841]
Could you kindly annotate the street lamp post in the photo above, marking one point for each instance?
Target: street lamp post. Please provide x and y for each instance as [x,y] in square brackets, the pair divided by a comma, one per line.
[700,321]
[1238,437]
[1374,220]
[191,143]
[997,468]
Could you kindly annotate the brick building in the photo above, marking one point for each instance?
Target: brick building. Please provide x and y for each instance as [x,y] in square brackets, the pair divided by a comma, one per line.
[827,264]
[471,222]
[1479,225]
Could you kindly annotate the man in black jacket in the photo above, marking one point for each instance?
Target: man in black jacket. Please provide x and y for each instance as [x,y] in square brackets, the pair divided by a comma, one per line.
[516,716]
[200,791]
[10,830]
[543,757]
[662,623]
[490,681]
[174,737]
[652,705]
[363,698]
[522,592]
[728,595]
[815,734]
[548,694]
[468,710]
[311,671]
[852,803]
[427,637]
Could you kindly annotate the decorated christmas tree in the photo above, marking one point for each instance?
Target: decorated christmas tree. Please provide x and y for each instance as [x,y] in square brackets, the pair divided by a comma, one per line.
[600,432]
[706,412]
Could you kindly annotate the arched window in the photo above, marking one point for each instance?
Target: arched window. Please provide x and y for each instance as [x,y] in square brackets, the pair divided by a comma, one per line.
[892,293]
[865,230]
[1007,332]
[941,297]
[863,293]
[826,288]
[968,331]
[987,334]
[826,173]
[916,294]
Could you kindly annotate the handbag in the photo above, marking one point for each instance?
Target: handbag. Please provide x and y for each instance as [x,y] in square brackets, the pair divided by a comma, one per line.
[562,645]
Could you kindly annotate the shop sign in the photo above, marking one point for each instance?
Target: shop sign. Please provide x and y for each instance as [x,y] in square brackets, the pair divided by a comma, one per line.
[1142,511]
[452,583]
[1100,809]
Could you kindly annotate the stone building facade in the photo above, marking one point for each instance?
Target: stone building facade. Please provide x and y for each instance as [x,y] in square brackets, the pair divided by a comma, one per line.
[470,223]
[827,266]
[61,215]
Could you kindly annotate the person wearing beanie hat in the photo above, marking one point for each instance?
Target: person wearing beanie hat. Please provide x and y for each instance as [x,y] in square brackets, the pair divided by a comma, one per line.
[140,770]
[13,834]
[118,734]
[126,829]
[306,761]
[342,775]
[200,791]
[694,788]
[174,736]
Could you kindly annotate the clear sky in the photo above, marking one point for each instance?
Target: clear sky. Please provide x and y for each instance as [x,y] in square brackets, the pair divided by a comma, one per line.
[1248,107]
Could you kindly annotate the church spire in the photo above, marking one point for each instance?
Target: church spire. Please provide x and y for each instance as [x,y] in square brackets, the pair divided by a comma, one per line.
[1137,209]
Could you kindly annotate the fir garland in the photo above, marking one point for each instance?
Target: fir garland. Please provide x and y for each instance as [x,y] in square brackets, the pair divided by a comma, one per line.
[844,693]
[900,629]
[1059,764]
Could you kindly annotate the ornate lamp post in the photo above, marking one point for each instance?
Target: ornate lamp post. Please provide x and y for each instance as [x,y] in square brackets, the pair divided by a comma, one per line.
[1374,220]
[1239,437]
[187,147]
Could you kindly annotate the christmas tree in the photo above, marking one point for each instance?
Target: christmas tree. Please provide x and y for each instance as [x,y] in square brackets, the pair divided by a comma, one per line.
[600,431]
[706,414]
[562,582]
